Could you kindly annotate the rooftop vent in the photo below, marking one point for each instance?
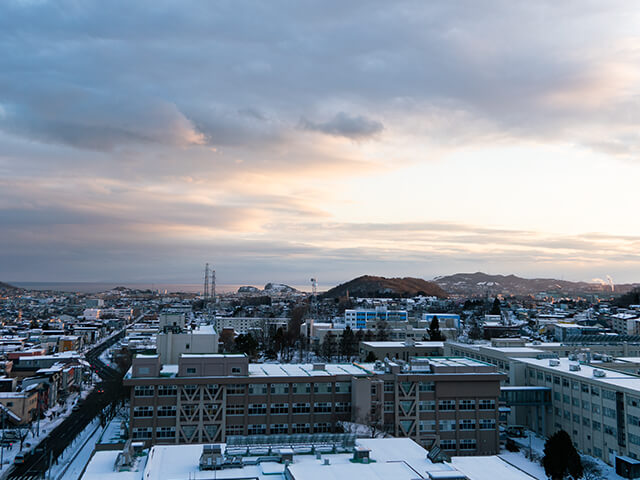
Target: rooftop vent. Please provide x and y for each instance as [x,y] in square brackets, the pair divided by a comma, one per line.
[318,366]
[326,461]
[599,373]
[574,368]
[553,362]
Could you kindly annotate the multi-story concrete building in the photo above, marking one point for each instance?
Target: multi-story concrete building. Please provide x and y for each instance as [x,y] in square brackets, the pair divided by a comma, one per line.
[250,324]
[205,398]
[400,350]
[599,408]
[369,318]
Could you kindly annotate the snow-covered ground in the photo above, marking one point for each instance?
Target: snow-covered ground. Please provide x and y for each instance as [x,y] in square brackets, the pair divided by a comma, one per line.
[533,467]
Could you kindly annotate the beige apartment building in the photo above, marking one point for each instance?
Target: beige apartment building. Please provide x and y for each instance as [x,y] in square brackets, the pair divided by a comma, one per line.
[452,402]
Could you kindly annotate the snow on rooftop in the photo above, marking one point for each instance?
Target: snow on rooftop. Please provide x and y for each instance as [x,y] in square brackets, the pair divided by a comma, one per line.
[488,468]
[613,378]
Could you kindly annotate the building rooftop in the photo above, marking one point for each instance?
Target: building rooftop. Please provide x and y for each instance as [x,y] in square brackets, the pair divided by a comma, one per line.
[586,372]
[397,458]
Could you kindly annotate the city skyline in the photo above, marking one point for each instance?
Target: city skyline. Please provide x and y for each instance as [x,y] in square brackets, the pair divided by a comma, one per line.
[287,140]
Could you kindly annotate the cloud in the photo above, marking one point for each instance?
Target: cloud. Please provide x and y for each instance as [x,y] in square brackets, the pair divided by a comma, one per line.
[355,127]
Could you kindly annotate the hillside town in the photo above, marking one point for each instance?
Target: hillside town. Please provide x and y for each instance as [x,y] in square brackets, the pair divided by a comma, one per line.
[276,374]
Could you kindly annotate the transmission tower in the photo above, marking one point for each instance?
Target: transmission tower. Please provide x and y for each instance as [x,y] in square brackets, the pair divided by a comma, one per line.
[213,286]
[206,284]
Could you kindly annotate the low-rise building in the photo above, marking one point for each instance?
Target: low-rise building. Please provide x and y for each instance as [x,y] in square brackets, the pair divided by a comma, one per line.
[452,402]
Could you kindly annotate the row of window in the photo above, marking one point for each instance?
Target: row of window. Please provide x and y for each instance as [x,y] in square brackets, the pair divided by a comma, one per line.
[261,429]
[145,433]
[283,408]
[162,411]
[465,444]
[253,389]
[574,385]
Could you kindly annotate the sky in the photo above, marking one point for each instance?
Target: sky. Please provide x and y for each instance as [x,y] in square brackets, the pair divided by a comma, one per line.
[283,140]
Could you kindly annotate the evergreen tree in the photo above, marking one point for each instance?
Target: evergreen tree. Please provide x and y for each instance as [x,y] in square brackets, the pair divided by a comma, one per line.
[382,331]
[371,357]
[347,343]
[561,458]
[435,335]
[495,308]
[329,347]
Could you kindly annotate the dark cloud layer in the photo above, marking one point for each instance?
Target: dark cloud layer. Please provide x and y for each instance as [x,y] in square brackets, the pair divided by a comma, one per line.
[150,135]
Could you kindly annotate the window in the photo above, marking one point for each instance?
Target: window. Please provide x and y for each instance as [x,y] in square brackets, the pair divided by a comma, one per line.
[236,389]
[279,409]
[487,405]
[447,405]
[586,422]
[301,388]
[556,396]
[257,409]
[467,405]
[189,390]
[165,432]
[468,444]
[345,387]
[608,412]
[345,407]
[635,439]
[322,407]
[633,420]
[596,426]
[142,433]
[567,415]
[279,388]
[258,389]
[324,387]
[633,401]
[301,408]
[447,425]
[586,405]
[191,370]
[576,418]
[608,394]
[556,380]
[566,399]
[608,430]
[426,386]
[143,391]
[236,370]
[321,427]
[235,410]
[585,388]
[575,385]
[300,428]
[448,444]
[547,378]
[257,429]
[388,407]
[142,412]
[565,382]
[595,391]
[234,429]
[167,390]
[167,411]
[143,370]
[595,408]
[539,375]
[575,402]
[279,428]
[487,424]
[427,425]
[467,424]
[426,405]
